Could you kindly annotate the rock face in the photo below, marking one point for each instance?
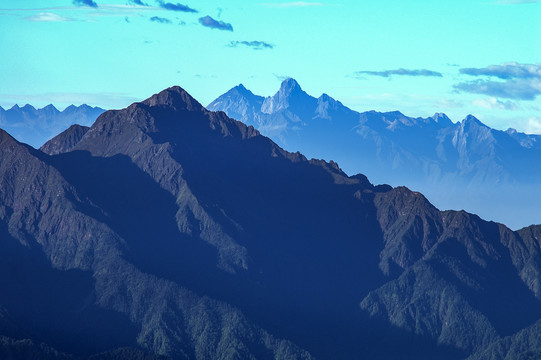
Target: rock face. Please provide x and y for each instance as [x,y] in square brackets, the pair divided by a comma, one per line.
[36,126]
[457,165]
[169,230]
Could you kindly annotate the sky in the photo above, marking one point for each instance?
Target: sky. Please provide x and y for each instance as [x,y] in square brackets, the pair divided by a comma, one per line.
[460,57]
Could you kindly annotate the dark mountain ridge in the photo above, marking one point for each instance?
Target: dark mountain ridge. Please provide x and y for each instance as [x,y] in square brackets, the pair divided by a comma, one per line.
[203,239]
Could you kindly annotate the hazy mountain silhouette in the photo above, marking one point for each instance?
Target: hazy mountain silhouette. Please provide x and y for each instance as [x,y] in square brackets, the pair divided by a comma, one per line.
[167,229]
[463,165]
[36,126]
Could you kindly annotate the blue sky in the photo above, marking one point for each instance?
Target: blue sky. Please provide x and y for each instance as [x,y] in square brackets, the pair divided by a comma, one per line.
[420,57]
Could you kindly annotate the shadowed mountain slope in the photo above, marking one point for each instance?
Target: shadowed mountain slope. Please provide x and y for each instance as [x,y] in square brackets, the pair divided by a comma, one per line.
[203,239]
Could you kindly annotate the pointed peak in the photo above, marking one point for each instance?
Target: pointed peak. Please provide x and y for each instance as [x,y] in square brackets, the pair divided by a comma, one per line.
[470,119]
[240,87]
[70,109]
[176,98]
[326,97]
[28,107]
[442,119]
[290,87]
[290,84]
[472,122]
[50,107]
[289,95]
[439,116]
[15,107]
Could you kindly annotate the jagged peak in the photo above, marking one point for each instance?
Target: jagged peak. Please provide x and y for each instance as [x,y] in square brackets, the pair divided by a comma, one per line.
[327,98]
[288,87]
[290,92]
[326,102]
[472,120]
[442,119]
[440,116]
[242,90]
[241,87]
[176,98]
[50,107]
[290,84]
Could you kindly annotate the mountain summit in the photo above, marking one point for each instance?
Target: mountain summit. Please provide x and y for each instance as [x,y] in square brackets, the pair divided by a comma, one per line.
[174,98]
[290,96]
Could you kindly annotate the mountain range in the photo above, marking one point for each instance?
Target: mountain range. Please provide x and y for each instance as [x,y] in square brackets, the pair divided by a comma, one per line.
[167,231]
[463,165]
[35,126]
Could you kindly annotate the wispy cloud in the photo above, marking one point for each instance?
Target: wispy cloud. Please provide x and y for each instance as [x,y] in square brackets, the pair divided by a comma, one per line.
[294,4]
[281,77]
[517,1]
[47,17]
[109,7]
[215,24]
[256,45]
[90,3]
[495,104]
[447,103]
[518,89]
[521,81]
[401,72]
[138,2]
[506,71]
[160,20]
[82,13]
[176,7]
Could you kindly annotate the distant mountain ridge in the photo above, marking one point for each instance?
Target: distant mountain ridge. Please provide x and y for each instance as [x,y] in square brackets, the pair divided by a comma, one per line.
[167,229]
[35,126]
[457,165]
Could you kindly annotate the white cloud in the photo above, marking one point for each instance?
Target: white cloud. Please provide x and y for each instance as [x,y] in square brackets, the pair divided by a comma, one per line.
[493,103]
[533,126]
[47,17]
[446,103]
